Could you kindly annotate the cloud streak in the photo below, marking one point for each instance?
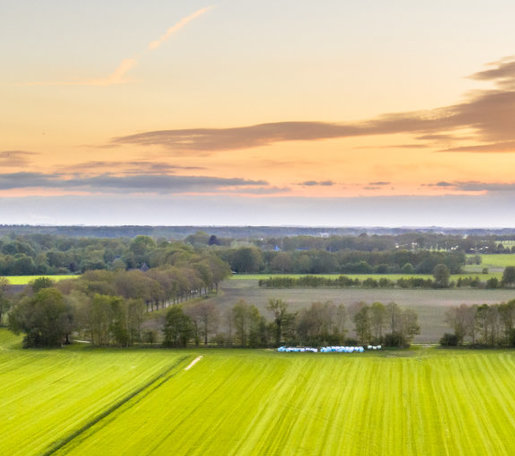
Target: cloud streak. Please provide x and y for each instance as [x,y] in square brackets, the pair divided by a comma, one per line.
[312,183]
[118,76]
[129,167]
[14,158]
[488,113]
[142,183]
[176,27]
[476,186]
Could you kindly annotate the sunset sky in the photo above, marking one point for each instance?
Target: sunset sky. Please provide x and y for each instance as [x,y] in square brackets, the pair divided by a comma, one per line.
[283,112]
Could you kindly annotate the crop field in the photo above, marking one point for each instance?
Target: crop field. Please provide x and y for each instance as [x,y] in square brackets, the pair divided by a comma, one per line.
[83,401]
[430,305]
[24,280]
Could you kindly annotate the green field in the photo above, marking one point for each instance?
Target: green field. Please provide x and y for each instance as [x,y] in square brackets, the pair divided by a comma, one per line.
[494,262]
[24,280]
[500,260]
[83,401]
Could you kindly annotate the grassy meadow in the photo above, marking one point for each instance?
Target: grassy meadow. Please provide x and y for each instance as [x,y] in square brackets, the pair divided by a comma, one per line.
[494,262]
[84,401]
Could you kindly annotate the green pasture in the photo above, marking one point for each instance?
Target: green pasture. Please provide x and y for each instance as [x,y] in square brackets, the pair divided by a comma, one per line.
[24,280]
[84,401]
[494,262]
[500,260]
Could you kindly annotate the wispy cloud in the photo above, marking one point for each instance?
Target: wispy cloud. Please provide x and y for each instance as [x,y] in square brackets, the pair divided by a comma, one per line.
[128,167]
[14,158]
[499,147]
[141,183]
[176,27]
[476,186]
[487,113]
[312,183]
[118,76]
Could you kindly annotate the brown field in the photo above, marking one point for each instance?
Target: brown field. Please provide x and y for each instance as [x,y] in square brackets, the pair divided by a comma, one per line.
[429,304]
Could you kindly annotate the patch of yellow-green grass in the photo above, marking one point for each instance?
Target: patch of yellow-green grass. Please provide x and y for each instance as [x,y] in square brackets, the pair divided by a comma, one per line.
[24,280]
[49,395]
[255,402]
[433,402]
[500,260]
[495,263]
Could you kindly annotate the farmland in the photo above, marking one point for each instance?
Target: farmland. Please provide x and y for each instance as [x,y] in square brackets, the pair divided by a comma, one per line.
[430,304]
[494,262]
[97,401]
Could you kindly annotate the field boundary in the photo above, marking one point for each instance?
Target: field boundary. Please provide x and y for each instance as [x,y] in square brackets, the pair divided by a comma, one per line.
[154,383]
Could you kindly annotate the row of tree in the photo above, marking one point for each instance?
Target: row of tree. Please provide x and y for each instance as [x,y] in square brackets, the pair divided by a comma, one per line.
[486,325]
[320,324]
[253,260]
[107,307]
[408,253]
[48,316]
[47,254]
[441,279]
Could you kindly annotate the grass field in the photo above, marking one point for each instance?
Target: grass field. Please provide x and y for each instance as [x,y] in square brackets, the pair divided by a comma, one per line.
[24,280]
[494,262]
[255,402]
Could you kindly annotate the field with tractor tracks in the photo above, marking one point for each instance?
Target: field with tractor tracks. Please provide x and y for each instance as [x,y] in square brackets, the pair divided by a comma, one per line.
[83,401]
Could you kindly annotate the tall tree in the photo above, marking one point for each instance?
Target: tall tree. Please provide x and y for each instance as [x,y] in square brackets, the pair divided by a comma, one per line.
[508,276]
[178,329]
[45,319]
[4,301]
[279,310]
[441,275]
[247,324]
[362,324]
[377,320]
[205,318]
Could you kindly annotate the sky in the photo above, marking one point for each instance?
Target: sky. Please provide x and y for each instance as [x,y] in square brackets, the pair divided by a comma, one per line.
[283,112]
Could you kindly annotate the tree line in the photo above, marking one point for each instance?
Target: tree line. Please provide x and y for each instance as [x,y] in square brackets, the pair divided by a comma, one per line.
[323,323]
[254,260]
[411,253]
[481,325]
[46,254]
[356,240]
[108,307]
